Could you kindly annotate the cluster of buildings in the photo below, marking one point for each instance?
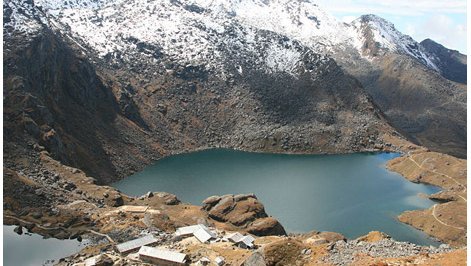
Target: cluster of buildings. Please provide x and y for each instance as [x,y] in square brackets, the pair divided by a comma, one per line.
[165,257]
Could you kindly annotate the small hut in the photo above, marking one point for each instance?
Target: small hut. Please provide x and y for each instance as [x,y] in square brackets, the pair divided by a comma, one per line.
[161,257]
[134,245]
[246,242]
[241,240]
[200,231]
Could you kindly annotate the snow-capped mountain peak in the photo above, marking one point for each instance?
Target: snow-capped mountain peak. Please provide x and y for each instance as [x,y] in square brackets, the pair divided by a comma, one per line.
[379,34]
[190,31]
[304,21]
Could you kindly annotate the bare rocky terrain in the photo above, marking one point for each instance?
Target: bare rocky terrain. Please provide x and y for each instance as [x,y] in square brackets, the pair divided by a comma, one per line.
[78,110]
[425,103]
[452,64]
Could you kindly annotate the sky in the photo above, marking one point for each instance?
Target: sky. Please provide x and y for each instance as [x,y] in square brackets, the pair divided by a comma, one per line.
[443,21]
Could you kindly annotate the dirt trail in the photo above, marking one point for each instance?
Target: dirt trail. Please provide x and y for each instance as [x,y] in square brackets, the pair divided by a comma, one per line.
[444,171]
[435,172]
[438,220]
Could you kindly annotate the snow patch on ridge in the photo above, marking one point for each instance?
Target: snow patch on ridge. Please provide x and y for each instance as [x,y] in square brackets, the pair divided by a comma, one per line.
[279,59]
[194,31]
[388,37]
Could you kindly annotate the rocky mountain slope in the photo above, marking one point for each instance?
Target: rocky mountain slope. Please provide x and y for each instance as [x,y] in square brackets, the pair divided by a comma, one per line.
[452,64]
[373,50]
[172,77]
[405,80]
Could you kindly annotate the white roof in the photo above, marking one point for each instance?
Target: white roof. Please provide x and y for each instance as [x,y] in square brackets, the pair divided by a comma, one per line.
[204,234]
[235,237]
[219,260]
[188,230]
[239,238]
[200,231]
[136,243]
[204,259]
[248,240]
[91,261]
[163,254]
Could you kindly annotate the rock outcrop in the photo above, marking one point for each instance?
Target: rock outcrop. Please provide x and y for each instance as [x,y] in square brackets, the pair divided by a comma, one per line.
[373,236]
[255,259]
[348,252]
[284,252]
[244,211]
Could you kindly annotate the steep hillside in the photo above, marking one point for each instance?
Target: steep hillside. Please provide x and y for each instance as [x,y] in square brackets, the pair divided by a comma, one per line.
[360,49]
[405,80]
[155,90]
[54,98]
[452,64]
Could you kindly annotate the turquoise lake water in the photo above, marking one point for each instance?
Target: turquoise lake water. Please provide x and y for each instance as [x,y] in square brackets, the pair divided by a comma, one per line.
[34,250]
[350,194]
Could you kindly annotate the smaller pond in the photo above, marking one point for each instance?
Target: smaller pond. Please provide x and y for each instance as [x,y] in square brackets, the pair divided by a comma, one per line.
[34,250]
[351,194]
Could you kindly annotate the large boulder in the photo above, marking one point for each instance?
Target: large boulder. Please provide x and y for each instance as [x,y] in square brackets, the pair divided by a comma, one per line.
[169,199]
[255,259]
[286,251]
[315,237]
[373,236]
[265,227]
[243,211]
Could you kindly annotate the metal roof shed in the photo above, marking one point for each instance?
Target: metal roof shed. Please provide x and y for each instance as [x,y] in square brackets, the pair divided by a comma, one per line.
[204,234]
[161,257]
[188,230]
[134,245]
[247,241]
[235,237]
[219,261]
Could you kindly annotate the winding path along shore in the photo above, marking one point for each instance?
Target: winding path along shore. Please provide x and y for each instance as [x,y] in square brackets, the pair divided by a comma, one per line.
[435,172]
[445,220]
[436,218]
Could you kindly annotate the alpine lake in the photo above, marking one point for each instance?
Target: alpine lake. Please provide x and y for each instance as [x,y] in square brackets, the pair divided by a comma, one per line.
[352,194]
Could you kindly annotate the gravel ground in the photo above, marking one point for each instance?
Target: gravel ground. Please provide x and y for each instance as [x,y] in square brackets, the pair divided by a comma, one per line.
[343,253]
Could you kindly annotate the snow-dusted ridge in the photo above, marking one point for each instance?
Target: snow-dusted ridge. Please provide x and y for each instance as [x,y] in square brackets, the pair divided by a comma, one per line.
[389,38]
[197,32]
